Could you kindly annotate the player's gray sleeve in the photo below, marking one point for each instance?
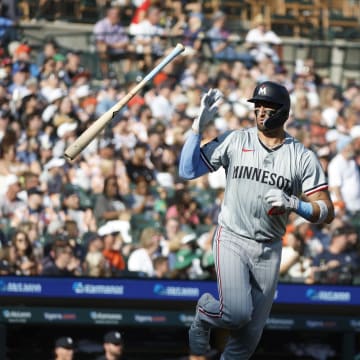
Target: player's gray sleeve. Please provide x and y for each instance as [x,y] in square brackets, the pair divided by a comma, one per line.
[216,153]
[313,177]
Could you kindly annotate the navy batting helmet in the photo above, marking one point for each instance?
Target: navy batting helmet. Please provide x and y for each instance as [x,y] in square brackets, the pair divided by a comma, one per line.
[277,95]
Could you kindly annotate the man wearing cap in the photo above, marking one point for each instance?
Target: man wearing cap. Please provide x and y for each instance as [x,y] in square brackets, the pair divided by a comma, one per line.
[64,348]
[113,346]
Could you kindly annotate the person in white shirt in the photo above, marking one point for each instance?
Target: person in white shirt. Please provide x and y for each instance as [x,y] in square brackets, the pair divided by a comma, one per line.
[261,41]
[147,36]
[141,259]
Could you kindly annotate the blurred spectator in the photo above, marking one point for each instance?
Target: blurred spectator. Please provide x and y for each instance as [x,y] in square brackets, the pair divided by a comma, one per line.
[171,228]
[337,263]
[112,40]
[294,266]
[193,34]
[156,143]
[110,205]
[107,95]
[188,257]
[87,111]
[21,256]
[9,163]
[313,245]
[141,259]
[124,139]
[307,69]
[263,42]
[48,10]
[355,134]
[64,348]
[138,165]
[344,177]
[95,263]
[63,262]
[46,69]
[65,112]
[299,87]
[74,69]
[223,43]
[4,266]
[71,210]
[332,112]
[22,60]
[49,49]
[160,103]
[302,110]
[5,117]
[148,36]
[54,97]
[173,245]
[167,174]
[141,121]
[185,208]
[11,206]
[141,200]
[35,211]
[35,237]
[113,346]
[187,265]
[174,19]
[71,230]
[8,31]
[161,267]
[53,175]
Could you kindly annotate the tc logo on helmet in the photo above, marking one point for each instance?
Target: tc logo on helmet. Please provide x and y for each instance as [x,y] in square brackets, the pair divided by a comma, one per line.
[262,90]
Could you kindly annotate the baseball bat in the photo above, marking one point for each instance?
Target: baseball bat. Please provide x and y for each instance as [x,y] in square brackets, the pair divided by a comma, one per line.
[98,125]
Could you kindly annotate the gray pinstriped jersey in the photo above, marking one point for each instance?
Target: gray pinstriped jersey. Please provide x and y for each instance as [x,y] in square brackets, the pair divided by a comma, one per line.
[251,170]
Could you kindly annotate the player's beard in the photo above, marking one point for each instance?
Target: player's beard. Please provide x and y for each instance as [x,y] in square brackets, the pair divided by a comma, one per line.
[260,123]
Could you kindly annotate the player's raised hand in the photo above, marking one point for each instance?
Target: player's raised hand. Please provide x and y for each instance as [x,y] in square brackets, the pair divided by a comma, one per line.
[208,108]
[277,199]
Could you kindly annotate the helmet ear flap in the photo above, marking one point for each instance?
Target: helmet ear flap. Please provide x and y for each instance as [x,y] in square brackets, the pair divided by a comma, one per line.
[278,119]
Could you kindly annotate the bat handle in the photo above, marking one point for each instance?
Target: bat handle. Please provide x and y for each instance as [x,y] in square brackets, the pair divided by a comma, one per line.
[179,48]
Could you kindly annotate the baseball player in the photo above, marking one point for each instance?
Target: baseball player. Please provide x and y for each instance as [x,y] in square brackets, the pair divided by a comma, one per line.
[268,175]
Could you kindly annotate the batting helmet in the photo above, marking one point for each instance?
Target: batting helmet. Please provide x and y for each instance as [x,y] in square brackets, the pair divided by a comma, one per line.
[276,94]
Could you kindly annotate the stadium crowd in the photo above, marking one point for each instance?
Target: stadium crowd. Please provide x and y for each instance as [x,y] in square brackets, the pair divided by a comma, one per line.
[120,208]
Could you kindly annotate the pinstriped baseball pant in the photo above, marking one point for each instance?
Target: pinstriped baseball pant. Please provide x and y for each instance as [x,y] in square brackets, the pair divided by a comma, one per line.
[247,275]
